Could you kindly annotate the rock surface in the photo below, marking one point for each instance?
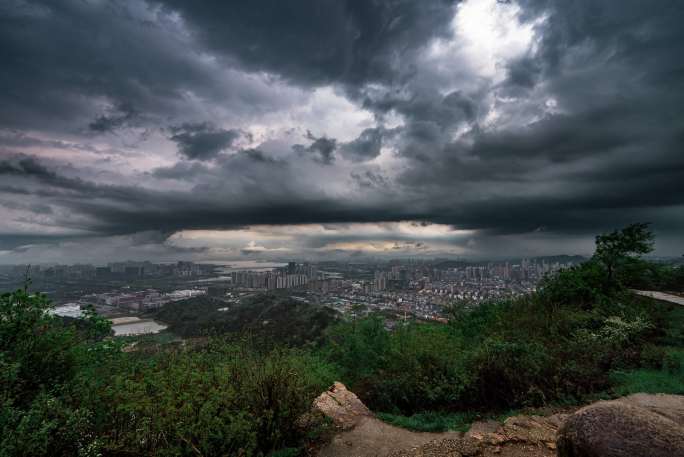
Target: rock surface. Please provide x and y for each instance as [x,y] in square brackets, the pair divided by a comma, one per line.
[359,432]
[634,426]
[518,436]
[342,406]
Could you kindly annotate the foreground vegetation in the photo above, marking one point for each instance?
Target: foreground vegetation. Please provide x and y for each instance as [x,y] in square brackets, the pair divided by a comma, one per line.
[67,390]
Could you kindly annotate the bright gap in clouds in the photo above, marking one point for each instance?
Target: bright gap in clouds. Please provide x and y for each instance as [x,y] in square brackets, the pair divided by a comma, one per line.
[486,33]
[402,238]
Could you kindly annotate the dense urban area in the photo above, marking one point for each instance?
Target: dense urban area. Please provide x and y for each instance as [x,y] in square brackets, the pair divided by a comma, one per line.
[422,289]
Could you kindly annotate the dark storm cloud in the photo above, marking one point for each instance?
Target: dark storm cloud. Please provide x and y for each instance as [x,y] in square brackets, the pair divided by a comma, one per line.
[319,41]
[369,179]
[321,149]
[19,140]
[202,141]
[74,65]
[180,171]
[558,138]
[20,242]
[365,147]
[28,167]
[523,72]
[121,116]
[582,132]
[119,209]
[613,71]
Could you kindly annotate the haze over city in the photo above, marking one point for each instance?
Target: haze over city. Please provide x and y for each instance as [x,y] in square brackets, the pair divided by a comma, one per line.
[213,131]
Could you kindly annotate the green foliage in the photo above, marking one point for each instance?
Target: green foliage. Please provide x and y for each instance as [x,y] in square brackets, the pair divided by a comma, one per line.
[405,370]
[431,421]
[69,391]
[508,373]
[270,318]
[226,399]
[34,346]
[661,360]
[37,358]
[581,286]
[619,246]
[47,427]
[557,345]
[287,452]
[525,352]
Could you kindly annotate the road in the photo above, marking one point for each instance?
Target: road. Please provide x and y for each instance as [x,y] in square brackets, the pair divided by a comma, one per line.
[660,296]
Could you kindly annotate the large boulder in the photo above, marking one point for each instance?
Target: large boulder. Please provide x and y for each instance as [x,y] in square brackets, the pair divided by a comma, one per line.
[635,426]
[342,406]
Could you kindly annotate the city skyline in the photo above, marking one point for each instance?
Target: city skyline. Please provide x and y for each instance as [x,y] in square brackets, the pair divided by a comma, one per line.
[326,129]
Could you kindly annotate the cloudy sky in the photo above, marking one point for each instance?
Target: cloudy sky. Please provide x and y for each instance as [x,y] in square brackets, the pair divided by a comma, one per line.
[171,129]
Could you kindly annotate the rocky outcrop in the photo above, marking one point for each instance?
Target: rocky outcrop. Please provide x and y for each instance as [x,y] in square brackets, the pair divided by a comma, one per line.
[634,426]
[640,425]
[341,406]
[358,432]
[517,436]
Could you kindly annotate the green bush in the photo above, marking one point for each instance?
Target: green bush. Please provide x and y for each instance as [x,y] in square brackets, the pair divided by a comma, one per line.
[34,346]
[402,371]
[508,373]
[66,391]
[226,399]
[558,345]
[47,427]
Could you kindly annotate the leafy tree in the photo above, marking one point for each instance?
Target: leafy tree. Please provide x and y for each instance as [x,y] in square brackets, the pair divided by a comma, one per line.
[619,246]
[36,361]
[34,345]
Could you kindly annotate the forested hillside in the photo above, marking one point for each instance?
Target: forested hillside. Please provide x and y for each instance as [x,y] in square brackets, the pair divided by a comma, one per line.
[265,317]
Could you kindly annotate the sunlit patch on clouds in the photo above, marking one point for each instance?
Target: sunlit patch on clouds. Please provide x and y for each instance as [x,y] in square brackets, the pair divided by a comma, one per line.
[388,238]
[485,35]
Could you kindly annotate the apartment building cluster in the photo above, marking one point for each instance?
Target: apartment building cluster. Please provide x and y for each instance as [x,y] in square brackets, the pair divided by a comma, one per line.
[292,276]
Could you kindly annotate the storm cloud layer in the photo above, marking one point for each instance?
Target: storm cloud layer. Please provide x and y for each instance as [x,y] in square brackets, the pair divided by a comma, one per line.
[164,128]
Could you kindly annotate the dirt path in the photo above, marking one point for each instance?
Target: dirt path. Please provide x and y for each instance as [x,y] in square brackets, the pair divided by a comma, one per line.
[373,438]
[360,434]
[660,296]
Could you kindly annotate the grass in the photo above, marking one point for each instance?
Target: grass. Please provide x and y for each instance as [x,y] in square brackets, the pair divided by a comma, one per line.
[647,381]
[669,379]
[674,333]
[287,452]
[431,421]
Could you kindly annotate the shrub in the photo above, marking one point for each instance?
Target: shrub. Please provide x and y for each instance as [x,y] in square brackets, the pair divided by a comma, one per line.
[508,373]
[34,346]
[47,427]
[226,399]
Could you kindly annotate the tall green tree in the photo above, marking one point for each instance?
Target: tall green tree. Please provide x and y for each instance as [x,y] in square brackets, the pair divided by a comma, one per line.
[618,246]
